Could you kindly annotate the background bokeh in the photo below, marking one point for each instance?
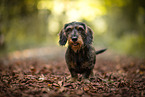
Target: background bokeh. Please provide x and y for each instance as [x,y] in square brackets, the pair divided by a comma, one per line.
[118,25]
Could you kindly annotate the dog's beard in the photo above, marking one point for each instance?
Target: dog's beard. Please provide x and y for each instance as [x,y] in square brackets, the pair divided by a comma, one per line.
[76,46]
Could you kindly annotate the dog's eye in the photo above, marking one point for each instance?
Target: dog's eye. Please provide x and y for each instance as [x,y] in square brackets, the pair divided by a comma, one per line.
[68,30]
[80,29]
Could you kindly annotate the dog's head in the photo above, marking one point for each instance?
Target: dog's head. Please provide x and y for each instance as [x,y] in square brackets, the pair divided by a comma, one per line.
[77,34]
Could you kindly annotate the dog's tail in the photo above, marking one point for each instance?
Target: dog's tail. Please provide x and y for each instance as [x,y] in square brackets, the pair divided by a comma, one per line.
[100,51]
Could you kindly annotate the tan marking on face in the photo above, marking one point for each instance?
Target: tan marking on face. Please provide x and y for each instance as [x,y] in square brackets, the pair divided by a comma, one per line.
[70,26]
[80,26]
[77,26]
[80,42]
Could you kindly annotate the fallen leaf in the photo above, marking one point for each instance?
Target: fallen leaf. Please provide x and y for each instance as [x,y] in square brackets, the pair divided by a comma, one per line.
[60,83]
[62,89]
[56,85]
[79,92]
[42,77]
[85,88]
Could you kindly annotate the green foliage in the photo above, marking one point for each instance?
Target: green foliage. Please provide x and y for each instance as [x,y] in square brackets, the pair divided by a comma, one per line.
[130,44]
[117,24]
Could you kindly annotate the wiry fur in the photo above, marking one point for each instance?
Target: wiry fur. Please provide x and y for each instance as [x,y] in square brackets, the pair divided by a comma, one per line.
[80,55]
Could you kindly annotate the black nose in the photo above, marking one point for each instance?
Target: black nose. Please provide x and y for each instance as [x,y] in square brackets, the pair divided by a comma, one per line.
[74,39]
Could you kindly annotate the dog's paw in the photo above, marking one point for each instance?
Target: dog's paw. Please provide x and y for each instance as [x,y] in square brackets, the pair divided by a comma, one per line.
[86,81]
[72,80]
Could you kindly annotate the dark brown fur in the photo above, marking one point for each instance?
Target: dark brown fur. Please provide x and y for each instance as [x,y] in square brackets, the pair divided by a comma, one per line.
[80,55]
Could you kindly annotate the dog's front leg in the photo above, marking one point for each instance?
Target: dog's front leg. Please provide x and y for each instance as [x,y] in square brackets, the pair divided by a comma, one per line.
[86,75]
[74,75]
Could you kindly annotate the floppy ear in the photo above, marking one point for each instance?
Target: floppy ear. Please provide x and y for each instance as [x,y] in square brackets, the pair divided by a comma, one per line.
[89,34]
[62,37]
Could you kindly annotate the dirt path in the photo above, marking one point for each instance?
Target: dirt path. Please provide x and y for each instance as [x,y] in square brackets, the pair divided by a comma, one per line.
[115,76]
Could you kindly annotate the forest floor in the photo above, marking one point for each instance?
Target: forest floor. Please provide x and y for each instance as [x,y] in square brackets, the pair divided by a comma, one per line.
[39,77]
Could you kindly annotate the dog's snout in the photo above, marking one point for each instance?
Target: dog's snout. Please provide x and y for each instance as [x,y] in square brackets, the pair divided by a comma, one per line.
[74,38]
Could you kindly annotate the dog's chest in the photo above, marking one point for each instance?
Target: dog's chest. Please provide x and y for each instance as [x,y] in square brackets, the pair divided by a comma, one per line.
[79,60]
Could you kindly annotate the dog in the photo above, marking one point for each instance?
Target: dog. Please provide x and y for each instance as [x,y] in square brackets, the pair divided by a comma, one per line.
[80,55]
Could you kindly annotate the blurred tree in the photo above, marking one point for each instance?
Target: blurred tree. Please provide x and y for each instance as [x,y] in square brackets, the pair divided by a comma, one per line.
[126,25]
[122,17]
[20,24]
[117,24]
[11,9]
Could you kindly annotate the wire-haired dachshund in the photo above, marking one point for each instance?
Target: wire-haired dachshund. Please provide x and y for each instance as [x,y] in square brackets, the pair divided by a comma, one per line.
[80,55]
